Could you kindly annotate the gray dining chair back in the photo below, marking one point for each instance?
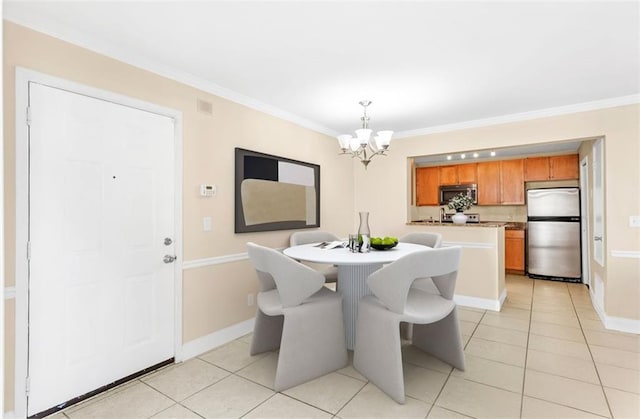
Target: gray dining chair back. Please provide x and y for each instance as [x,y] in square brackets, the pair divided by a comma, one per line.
[433,240]
[297,315]
[436,329]
[306,237]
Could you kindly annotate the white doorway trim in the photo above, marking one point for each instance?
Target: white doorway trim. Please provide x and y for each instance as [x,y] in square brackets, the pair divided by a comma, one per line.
[585,217]
[23,78]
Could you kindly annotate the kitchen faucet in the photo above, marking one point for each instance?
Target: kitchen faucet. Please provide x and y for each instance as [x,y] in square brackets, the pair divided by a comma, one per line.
[442,214]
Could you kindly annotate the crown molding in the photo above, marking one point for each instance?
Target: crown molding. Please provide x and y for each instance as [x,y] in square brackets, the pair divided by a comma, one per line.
[523,116]
[122,53]
[57,30]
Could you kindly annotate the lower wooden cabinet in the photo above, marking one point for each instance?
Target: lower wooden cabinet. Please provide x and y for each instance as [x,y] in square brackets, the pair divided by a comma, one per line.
[514,251]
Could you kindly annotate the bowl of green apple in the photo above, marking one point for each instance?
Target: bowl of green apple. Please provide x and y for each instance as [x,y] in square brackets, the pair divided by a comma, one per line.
[384,243]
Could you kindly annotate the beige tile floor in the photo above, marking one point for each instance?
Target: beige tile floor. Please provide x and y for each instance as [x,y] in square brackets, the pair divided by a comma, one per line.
[545,355]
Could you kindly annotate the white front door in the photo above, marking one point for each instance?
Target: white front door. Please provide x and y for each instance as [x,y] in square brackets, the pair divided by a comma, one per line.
[101,216]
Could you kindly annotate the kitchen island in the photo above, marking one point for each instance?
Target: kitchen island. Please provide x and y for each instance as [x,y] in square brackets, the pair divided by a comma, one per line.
[481,277]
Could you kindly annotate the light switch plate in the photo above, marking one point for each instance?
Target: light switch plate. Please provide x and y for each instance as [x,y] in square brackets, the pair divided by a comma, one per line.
[206,224]
[634,221]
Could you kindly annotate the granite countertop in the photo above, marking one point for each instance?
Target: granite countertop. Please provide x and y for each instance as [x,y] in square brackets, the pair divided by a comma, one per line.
[508,225]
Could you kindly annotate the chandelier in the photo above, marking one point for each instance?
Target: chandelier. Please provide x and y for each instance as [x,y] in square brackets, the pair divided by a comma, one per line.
[362,145]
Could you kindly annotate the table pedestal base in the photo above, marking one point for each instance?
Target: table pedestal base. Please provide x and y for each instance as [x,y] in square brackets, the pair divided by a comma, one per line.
[352,284]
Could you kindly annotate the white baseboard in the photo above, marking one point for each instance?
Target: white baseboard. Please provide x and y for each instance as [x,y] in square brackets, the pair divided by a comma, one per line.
[211,341]
[482,303]
[620,324]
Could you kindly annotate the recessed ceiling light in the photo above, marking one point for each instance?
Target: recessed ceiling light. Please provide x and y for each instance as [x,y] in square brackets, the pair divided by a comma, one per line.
[493,153]
[448,157]
[462,156]
[475,155]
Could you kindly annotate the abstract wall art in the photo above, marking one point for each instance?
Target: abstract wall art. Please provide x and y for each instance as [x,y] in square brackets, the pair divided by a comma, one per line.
[275,193]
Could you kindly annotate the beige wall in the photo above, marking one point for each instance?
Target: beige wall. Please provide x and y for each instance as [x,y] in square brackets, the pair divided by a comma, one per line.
[620,128]
[214,296]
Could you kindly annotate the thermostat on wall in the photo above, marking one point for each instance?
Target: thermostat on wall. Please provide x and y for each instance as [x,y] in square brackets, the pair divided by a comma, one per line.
[207,190]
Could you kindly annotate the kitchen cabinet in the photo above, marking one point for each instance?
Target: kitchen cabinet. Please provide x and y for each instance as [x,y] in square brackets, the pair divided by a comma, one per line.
[512,182]
[514,251]
[536,168]
[468,173]
[458,174]
[552,168]
[501,182]
[448,175]
[564,167]
[427,186]
[489,183]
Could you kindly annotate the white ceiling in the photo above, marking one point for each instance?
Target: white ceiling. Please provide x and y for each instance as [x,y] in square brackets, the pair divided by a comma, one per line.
[426,65]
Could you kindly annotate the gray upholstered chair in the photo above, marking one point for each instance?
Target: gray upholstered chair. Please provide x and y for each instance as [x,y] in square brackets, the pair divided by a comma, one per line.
[433,240]
[436,329]
[299,316]
[305,237]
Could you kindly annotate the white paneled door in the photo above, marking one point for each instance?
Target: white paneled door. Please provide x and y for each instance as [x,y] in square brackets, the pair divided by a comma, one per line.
[101,220]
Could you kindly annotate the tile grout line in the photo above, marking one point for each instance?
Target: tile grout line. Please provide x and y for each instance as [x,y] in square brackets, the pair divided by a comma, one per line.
[595,367]
[526,350]
[353,397]
[451,371]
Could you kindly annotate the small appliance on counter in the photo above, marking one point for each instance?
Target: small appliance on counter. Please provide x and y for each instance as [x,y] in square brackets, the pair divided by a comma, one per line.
[553,234]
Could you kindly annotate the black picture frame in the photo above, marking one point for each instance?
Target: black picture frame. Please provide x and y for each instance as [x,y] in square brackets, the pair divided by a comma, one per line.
[279,193]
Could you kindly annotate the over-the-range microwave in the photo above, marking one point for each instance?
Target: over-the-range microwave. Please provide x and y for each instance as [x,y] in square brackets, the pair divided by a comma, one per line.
[449,191]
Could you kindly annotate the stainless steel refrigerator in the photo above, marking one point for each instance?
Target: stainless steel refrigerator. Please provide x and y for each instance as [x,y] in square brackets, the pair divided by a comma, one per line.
[553,234]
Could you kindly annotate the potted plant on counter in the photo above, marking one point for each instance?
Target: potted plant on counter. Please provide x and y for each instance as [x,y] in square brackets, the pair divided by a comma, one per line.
[461,202]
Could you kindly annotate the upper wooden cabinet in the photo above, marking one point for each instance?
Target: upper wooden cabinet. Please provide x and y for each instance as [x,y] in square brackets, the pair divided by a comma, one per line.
[468,173]
[536,168]
[458,174]
[512,182]
[448,175]
[427,186]
[489,183]
[564,167]
[501,182]
[551,168]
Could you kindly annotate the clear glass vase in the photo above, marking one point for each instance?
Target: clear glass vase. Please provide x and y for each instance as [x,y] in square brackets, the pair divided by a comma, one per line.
[364,234]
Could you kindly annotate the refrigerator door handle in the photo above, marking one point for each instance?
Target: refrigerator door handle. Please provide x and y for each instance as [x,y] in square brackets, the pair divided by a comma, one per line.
[597,238]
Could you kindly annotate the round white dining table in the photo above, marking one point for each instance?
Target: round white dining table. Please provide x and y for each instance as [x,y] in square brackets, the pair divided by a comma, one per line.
[353,271]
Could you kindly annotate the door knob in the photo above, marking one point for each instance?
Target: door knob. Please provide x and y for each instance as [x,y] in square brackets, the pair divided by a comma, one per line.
[597,238]
[169,258]
[167,241]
